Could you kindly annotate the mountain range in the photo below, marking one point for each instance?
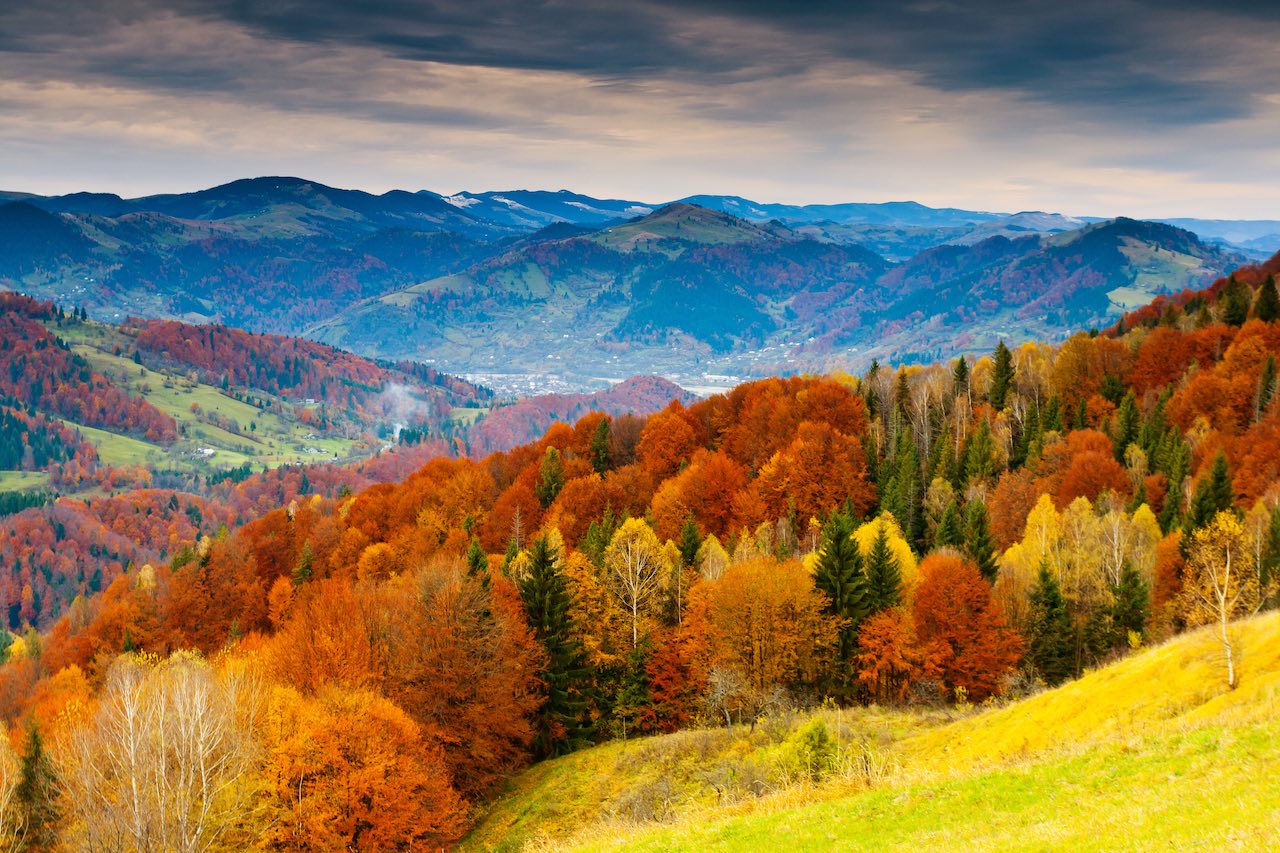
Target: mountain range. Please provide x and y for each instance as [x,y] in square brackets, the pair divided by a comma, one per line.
[520,288]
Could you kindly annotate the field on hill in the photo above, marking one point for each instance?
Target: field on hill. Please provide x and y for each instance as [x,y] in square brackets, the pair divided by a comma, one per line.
[1151,751]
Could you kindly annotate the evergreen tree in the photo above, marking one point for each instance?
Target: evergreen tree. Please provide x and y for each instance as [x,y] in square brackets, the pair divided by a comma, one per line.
[883,575]
[960,377]
[1267,306]
[690,541]
[838,574]
[599,534]
[36,794]
[950,533]
[1001,376]
[1235,302]
[563,721]
[1111,389]
[1050,640]
[870,395]
[478,563]
[1266,387]
[1052,419]
[1081,419]
[901,491]
[980,456]
[302,571]
[1132,603]
[550,477]
[1215,494]
[513,551]
[1127,424]
[978,543]
[1029,441]
[601,459]
[1270,568]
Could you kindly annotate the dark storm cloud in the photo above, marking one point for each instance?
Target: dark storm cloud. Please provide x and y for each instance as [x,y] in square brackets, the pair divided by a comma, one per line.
[1131,60]
[1125,60]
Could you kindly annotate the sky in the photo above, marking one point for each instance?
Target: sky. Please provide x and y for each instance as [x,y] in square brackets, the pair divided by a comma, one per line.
[1089,107]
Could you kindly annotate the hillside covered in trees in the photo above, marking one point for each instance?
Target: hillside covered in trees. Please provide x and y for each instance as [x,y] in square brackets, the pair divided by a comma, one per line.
[369,662]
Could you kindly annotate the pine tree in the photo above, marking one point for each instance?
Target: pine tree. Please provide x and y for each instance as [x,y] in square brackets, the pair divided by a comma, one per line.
[960,377]
[1127,423]
[563,721]
[601,460]
[978,543]
[950,533]
[1050,640]
[1267,306]
[1029,441]
[1215,494]
[980,456]
[1111,389]
[1132,603]
[1052,419]
[550,477]
[883,575]
[36,793]
[1235,302]
[1266,387]
[302,571]
[1001,376]
[1269,569]
[690,541]
[838,574]
[478,563]
[902,492]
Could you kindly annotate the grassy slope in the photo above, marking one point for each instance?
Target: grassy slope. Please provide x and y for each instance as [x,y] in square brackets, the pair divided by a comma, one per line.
[19,481]
[1151,751]
[276,440]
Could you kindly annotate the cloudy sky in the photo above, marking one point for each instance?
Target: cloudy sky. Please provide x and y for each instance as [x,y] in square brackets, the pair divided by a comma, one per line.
[1103,107]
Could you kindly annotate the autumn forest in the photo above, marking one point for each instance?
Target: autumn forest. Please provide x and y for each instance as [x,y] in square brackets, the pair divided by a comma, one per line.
[358,655]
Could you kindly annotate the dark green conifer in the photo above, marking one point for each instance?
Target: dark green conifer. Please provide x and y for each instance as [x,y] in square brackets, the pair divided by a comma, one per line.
[1001,376]
[950,532]
[1127,424]
[478,563]
[883,574]
[1267,305]
[550,477]
[302,570]
[690,541]
[838,574]
[960,377]
[1213,495]
[1235,302]
[1266,388]
[601,460]
[978,542]
[563,720]
[1132,603]
[1050,640]
[980,455]
[36,794]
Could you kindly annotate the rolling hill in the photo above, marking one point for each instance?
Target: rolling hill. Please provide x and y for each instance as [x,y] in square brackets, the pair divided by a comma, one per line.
[1152,747]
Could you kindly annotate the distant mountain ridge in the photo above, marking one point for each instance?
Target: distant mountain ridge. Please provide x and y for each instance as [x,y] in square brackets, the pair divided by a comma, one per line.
[525,284]
[689,292]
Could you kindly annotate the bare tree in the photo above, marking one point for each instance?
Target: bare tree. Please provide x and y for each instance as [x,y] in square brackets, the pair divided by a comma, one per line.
[1222,583]
[636,569]
[163,763]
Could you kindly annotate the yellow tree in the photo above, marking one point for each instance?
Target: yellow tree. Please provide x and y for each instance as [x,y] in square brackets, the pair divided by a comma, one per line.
[166,761]
[1221,582]
[637,571]
[866,535]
